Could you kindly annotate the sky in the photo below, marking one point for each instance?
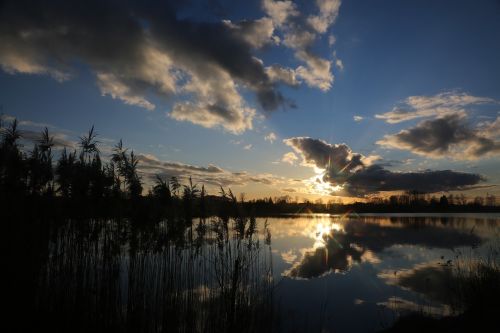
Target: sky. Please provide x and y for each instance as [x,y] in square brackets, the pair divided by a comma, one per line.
[312,99]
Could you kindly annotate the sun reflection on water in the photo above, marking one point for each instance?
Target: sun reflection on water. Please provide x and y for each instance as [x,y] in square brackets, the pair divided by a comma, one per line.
[324,230]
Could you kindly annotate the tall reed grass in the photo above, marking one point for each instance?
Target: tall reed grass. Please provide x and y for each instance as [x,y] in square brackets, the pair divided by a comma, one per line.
[115,276]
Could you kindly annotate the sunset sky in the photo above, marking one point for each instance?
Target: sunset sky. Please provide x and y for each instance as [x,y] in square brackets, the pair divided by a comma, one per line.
[314,99]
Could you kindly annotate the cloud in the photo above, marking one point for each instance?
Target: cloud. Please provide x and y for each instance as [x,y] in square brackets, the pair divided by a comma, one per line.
[299,34]
[376,178]
[213,115]
[289,158]
[148,161]
[248,147]
[117,89]
[271,137]
[278,73]
[442,104]
[331,40]
[257,33]
[339,64]
[142,53]
[60,140]
[5,118]
[317,72]
[31,136]
[212,176]
[447,136]
[328,12]
[356,175]
[358,118]
[324,155]
[280,11]
[149,166]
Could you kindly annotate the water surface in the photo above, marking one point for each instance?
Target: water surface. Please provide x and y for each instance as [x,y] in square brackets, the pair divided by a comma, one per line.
[358,273]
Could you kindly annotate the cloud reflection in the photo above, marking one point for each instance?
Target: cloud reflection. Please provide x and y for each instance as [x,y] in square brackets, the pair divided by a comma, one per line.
[339,244]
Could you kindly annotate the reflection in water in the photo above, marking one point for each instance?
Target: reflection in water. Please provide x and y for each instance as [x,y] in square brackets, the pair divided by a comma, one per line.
[389,265]
[430,279]
[335,254]
[345,241]
[115,276]
[324,231]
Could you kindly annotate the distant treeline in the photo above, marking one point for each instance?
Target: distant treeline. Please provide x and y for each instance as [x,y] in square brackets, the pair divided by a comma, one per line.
[80,183]
[410,202]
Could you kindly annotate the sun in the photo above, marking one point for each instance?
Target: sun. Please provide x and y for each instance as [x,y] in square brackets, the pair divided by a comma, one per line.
[318,186]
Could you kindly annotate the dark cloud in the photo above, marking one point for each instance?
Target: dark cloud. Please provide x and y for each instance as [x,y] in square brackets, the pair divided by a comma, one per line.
[211,42]
[376,178]
[324,155]
[449,135]
[357,175]
[139,49]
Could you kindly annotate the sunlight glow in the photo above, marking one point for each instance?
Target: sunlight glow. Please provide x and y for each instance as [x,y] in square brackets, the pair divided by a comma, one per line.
[318,186]
[319,171]
[322,231]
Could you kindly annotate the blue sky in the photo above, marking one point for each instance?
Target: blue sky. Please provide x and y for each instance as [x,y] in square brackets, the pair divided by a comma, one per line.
[379,55]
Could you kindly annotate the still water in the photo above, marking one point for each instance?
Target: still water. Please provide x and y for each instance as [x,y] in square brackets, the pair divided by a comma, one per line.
[358,273]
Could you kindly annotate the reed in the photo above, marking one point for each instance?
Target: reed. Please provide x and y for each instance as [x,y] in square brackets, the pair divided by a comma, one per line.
[111,275]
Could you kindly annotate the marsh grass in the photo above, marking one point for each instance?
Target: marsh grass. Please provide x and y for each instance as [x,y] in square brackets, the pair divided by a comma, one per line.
[469,285]
[476,282]
[113,276]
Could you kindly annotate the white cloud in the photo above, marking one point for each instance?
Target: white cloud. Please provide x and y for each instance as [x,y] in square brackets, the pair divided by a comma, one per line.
[280,11]
[358,118]
[328,12]
[339,64]
[439,105]
[112,86]
[286,75]
[331,40]
[317,72]
[289,158]
[300,33]
[271,137]
[210,116]
[219,103]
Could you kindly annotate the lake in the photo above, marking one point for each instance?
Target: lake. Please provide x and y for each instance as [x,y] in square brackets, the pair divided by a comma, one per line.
[319,273]
[358,273]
